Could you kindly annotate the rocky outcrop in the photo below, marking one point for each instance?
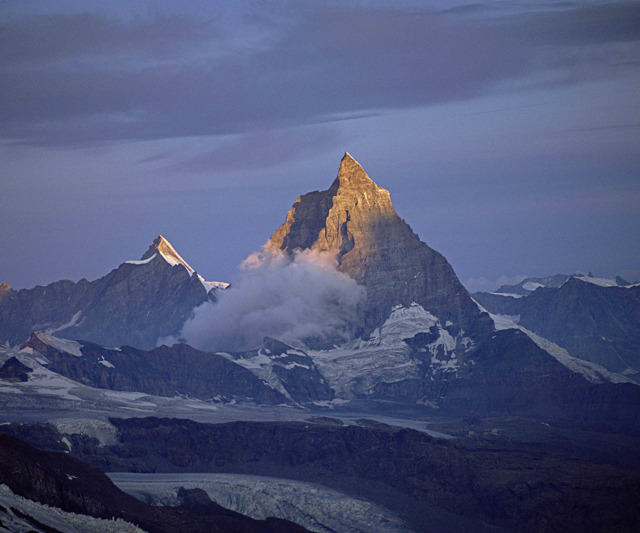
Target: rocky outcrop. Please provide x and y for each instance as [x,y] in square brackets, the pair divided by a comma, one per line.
[164,371]
[355,219]
[14,370]
[4,288]
[134,304]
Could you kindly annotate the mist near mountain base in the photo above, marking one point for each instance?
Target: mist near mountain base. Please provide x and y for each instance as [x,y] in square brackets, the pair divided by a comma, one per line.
[282,296]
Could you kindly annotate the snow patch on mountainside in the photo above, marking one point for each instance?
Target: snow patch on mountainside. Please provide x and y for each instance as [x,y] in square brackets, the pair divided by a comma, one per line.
[143,261]
[62,345]
[262,366]
[101,430]
[42,381]
[357,367]
[75,321]
[212,285]
[106,363]
[403,323]
[507,294]
[603,282]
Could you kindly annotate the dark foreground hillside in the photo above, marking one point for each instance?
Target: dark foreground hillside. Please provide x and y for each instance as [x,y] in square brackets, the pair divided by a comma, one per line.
[58,480]
[435,484]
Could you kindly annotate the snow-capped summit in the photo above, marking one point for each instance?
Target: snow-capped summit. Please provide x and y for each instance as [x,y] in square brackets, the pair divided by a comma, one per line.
[135,304]
[162,248]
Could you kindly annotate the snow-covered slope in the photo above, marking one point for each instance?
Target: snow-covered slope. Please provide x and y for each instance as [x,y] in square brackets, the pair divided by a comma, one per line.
[288,370]
[386,357]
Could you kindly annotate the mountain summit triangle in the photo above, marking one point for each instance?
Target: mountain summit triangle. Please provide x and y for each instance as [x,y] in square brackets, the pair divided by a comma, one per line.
[355,219]
[162,246]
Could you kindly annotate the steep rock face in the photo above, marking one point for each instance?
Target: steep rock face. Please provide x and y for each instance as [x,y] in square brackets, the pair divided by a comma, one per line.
[600,324]
[355,219]
[134,304]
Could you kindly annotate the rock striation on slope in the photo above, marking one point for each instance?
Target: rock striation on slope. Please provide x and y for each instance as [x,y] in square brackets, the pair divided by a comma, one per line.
[134,304]
[355,219]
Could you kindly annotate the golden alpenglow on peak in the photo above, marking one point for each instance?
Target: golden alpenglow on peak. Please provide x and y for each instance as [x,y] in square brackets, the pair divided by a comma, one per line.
[352,176]
[163,247]
[355,219]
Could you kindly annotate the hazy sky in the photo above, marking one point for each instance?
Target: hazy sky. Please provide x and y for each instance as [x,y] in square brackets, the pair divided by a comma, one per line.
[507,132]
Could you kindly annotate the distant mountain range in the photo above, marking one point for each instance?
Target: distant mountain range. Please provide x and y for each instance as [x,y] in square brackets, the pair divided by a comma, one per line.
[422,341]
[559,352]
[593,319]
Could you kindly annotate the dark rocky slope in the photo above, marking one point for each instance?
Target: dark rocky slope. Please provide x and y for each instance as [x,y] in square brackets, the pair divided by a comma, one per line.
[598,324]
[134,304]
[438,485]
[164,371]
[57,480]
[14,370]
[508,374]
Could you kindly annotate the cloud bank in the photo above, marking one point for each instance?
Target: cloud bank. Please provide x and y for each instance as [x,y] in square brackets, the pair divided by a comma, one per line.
[276,295]
[75,78]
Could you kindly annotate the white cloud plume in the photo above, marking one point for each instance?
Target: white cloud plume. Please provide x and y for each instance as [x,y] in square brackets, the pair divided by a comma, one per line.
[280,296]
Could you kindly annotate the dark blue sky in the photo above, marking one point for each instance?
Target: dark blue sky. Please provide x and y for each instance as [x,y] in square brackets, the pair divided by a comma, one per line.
[507,133]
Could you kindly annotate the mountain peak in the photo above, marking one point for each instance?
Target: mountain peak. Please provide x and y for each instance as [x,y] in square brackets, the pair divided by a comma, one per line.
[4,288]
[352,178]
[355,219]
[163,247]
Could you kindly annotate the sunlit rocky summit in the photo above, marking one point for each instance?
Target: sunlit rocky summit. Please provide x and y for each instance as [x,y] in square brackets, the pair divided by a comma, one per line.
[355,219]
